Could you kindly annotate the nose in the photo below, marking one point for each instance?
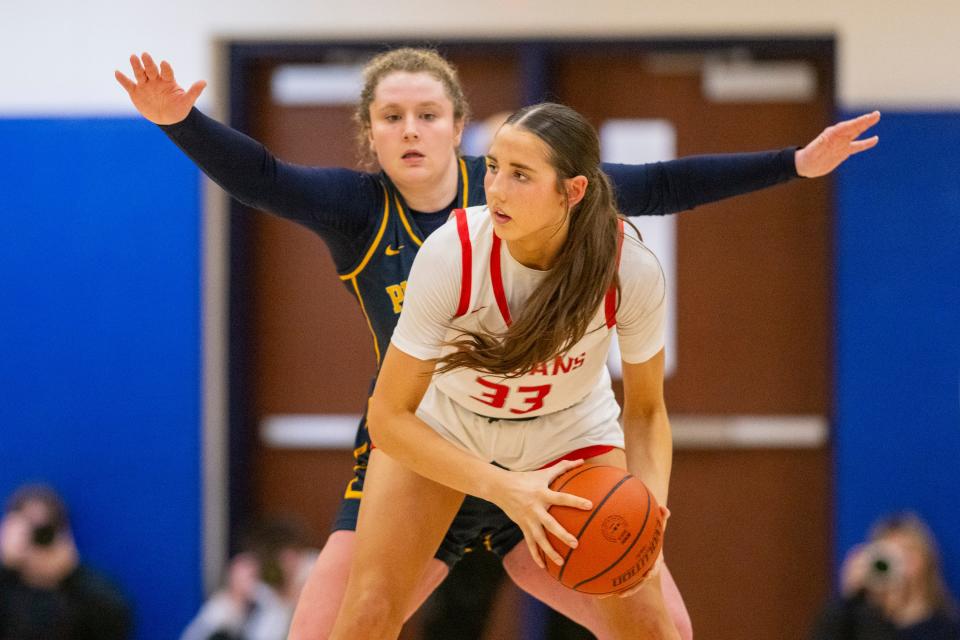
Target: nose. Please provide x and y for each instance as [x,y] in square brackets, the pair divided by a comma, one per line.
[410,128]
[491,185]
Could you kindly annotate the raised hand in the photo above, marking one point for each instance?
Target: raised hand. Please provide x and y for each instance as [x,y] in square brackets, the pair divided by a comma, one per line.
[526,498]
[155,92]
[834,145]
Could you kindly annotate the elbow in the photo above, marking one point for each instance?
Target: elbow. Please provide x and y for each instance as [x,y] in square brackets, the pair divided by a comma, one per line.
[644,415]
[379,423]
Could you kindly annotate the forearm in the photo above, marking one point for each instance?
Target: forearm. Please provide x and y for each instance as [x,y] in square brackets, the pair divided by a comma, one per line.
[679,185]
[649,449]
[411,442]
[243,167]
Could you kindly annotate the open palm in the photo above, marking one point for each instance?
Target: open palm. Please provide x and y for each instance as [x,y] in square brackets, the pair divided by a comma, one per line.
[155,92]
[834,145]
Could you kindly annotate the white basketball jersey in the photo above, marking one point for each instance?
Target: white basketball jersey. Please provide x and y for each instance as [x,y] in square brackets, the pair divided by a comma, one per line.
[464,279]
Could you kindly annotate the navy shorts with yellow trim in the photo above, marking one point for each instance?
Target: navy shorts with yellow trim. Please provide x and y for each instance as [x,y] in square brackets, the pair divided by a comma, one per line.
[478,523]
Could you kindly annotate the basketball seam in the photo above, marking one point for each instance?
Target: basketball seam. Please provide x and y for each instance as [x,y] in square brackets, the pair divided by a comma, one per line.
[568,480]
[593,514]
[636,539]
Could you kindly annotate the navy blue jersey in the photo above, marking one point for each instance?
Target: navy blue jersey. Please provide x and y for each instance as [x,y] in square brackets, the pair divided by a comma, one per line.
[379,279]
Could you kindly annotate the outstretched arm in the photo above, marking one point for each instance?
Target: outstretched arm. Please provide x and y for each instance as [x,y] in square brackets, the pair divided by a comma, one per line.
[678,185]
[336,203]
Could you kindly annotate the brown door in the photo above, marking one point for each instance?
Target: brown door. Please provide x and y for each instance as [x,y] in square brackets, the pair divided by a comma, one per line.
[749,538]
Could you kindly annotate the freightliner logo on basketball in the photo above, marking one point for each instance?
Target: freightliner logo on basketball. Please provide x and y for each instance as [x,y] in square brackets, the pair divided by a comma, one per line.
[642,559]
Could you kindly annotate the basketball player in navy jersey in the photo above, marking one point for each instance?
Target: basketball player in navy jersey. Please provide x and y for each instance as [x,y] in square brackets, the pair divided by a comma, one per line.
[411,113]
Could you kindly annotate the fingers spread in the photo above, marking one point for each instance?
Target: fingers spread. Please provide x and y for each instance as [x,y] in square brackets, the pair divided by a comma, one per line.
[860,124]
[547,548]
[570,500]
[534,553]
[862,145]
[124,81]
[137,67]
[166,72]
[556,529]
[150,67]
[562,467]
[196,89]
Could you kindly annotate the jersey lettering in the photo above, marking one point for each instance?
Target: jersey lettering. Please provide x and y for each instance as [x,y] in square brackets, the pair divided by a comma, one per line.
[498,394]
[495,399]
[396,293]
[535,401]
[560,364]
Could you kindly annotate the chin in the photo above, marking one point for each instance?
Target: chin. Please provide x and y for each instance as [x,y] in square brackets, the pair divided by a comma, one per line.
[415,174]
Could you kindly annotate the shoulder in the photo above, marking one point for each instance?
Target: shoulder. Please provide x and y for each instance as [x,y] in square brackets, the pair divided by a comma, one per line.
[353,180]
[642,284]
[637,262]
[450,236]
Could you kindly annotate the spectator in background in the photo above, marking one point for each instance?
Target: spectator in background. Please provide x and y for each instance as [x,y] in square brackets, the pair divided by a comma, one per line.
[892,588]
[46,593]
[263,583]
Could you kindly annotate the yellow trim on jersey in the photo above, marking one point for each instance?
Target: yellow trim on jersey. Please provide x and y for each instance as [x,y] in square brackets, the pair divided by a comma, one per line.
[406,225]
[466,184]
[351,493]
[373,246]
[363,309]
[362,449]
[464,199]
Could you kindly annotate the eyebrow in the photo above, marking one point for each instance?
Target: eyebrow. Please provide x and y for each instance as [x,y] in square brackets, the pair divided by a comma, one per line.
[514,164]
[429,103]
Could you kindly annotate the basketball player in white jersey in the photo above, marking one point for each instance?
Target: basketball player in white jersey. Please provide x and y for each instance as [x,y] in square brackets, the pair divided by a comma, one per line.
[497,368]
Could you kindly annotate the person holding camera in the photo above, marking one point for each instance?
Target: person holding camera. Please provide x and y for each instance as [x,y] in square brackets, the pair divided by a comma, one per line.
[891,589]
[46,592]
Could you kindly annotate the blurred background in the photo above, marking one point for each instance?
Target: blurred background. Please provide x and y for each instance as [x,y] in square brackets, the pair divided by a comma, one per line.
[176,368]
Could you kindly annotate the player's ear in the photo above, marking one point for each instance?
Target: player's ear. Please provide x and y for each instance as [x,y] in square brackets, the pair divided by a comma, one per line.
[575,188]
[458,126]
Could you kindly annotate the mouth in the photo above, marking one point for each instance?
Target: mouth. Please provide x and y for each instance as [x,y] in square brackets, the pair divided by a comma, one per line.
[499,217]
[412,156]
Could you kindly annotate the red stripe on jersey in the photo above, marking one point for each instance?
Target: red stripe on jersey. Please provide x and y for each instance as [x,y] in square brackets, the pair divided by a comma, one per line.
[582,454]
[466,254]
[496,278]
[610,302]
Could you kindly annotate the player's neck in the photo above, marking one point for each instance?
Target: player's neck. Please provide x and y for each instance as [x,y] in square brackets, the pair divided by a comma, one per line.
[432,195]
[537,253]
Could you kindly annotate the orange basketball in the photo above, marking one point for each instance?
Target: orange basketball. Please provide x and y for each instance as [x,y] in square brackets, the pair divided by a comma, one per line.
[619,540]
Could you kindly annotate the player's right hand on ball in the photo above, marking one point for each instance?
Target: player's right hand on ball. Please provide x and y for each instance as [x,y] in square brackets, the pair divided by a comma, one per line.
[653,573]
[525,497]
[155,92]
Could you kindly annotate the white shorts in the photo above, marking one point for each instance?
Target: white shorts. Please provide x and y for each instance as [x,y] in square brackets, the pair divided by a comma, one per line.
[524,445]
